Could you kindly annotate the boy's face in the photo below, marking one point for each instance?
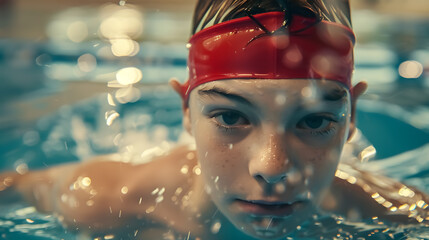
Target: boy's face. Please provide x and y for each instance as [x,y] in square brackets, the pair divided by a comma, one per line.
[268,148]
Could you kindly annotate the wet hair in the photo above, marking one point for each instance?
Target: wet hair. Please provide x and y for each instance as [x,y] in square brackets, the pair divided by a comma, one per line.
[210,12]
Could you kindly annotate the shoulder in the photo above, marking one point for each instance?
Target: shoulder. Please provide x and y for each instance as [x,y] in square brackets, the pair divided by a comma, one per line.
[358,194]
[106,194]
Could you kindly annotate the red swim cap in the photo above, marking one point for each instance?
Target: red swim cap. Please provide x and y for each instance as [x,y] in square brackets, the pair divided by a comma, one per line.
[241,49]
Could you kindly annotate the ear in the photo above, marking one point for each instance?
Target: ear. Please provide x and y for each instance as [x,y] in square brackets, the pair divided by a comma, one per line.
[357,91]
[177,87]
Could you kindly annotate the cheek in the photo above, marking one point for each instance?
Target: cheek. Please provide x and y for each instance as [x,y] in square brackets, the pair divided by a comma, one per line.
[218,162]
[223,168]
[319,171]
[317,164]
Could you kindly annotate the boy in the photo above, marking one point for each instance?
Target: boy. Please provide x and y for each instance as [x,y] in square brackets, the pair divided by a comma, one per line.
[270,104]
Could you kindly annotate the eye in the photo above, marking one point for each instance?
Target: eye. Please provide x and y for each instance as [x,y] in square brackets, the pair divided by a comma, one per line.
[316,122]
[230,119]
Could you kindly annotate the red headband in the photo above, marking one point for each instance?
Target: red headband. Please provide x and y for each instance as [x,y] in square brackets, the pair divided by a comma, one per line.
[240,49]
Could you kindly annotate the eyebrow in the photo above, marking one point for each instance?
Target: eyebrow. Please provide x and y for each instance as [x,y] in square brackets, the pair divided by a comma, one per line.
[224,93]
[332,95]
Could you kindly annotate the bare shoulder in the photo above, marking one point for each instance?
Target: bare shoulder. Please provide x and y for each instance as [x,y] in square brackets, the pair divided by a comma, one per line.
[361,194]
[126,192]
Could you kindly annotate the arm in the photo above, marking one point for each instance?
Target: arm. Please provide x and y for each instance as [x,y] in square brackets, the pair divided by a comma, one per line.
[104,195]
[364,194]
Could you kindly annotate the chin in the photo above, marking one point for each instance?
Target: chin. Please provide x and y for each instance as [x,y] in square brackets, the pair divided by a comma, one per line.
[273,227]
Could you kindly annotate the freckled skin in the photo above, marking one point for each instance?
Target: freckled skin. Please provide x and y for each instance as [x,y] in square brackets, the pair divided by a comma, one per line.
[271,154]
[263,164]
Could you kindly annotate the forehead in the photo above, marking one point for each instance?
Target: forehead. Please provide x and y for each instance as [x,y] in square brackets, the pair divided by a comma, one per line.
[270,89]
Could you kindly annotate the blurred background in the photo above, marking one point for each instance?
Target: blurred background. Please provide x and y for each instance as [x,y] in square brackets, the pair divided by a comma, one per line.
[57,54]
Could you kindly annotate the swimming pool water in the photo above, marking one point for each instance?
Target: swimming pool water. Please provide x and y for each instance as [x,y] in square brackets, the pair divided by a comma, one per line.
[80,131]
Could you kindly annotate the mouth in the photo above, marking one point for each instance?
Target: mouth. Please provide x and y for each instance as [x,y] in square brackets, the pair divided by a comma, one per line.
[267,208]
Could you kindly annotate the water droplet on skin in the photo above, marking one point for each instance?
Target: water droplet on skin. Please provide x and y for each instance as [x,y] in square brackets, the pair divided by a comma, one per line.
[339,219]
[110,236]
[216,179]
[161,191]
[140,200]
[280,99]
[307,92]
[76,185]
[393,209]
[184,169]
[64,198]
[124,190]
[178,191]
[159,199]
[190,156]
[406,192]
[197,170]
[294,177]
[86,181]
[231,146]
[404,207]
[351,180]
[155,191]
[422,204]
[150,209]
[90,203]
[215,227]
[280,188]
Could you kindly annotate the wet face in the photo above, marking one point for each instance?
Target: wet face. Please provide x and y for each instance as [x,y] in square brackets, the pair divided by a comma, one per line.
[268,148]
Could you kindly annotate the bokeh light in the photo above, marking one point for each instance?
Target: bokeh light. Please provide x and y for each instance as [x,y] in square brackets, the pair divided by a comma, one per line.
[129,75]
[122,22]
[410,69]
[87,62]
[77,31]
[124,47]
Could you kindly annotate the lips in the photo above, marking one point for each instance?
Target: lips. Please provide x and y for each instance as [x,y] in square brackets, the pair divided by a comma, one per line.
[266,208]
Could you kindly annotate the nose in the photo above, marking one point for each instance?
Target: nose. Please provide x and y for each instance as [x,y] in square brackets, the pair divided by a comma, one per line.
[270,162]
